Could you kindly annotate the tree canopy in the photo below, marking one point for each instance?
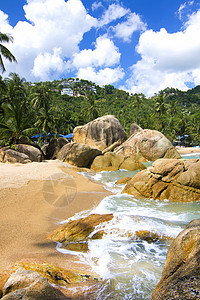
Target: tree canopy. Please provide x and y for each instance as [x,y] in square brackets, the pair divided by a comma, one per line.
[40,107]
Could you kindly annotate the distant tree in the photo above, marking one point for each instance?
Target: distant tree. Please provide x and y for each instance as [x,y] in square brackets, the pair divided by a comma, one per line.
[4,52]
[90,112]
[41,99]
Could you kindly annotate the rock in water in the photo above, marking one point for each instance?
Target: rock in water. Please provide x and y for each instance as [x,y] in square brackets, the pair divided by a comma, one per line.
[78,230]
[173,179]
[100,133]
[79,155]
[123,180]
[181,277]
[148,145]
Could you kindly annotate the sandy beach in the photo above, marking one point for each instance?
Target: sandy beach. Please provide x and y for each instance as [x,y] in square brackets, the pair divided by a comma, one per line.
[188,150]
[33,199]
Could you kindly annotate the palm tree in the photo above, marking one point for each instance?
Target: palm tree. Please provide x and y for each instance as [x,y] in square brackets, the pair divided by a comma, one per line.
[90,112]
[14,118]
[41,99]
[4,52]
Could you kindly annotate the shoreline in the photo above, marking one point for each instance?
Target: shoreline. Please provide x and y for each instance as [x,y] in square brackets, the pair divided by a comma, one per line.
[28,213]
[187,150]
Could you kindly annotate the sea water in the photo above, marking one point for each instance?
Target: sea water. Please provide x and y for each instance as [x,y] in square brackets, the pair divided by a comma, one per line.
[131,266]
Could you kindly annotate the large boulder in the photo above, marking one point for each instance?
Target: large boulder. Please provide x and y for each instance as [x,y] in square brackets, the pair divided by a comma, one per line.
[12,156]
[181,274]
[79,155]
[33,153]
[100,133]
[113,162]
[148,145]
[172,179]
[54,147]
[79,230]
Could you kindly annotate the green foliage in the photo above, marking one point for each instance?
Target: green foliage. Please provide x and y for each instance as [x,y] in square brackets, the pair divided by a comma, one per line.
[27,108]
[4,52]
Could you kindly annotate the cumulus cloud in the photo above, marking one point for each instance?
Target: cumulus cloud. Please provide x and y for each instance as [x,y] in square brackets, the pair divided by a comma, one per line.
[125,29]
[49,65]
[51,24]
[167,59]
[105,54]
[114,12]
[102,76]
[95,65]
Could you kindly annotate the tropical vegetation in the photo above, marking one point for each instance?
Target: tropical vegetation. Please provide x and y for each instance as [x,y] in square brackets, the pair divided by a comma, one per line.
[28,108]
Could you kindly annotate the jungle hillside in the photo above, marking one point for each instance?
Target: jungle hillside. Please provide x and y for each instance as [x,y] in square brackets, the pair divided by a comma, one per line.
[56,107]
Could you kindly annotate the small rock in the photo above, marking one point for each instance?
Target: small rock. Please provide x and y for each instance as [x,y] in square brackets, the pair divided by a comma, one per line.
[123,180]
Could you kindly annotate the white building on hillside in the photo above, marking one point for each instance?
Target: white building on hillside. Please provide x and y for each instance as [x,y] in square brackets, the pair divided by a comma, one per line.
[67,91]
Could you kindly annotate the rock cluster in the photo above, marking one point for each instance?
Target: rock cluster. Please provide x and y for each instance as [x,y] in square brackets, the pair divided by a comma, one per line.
[181,277]
[147,145]
[100,133]
[172,179]
[20,154]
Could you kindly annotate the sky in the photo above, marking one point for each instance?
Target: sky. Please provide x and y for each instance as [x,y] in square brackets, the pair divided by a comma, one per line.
[141,46]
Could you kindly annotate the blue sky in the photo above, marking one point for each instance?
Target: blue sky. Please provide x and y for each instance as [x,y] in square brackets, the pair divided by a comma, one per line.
[137,45]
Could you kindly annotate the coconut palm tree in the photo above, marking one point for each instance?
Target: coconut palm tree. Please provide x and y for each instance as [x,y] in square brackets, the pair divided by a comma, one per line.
[4,52]
[14,117]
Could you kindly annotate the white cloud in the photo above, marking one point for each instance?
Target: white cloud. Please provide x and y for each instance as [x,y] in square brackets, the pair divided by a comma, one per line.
[52,24]
[167,59]
[184,9]
[49,65]
[125,30]
[4,24]
[102,76]
[181,9]
[96,5]
[114,12]
[105,54]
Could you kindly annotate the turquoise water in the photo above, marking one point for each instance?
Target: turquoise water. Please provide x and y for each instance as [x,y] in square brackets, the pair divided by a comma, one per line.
[130,266]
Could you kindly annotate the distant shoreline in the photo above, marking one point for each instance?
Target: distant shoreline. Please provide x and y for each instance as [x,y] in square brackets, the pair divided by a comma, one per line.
[187,150]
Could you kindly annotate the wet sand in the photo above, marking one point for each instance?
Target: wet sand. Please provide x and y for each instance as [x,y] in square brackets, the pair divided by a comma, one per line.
[34,198]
